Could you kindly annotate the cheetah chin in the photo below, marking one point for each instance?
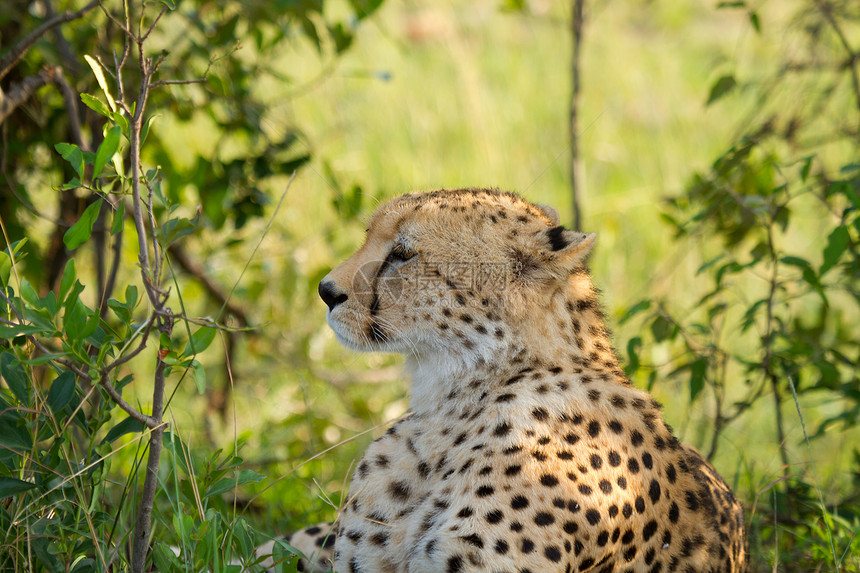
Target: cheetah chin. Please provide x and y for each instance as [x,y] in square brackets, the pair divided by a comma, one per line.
[527,449]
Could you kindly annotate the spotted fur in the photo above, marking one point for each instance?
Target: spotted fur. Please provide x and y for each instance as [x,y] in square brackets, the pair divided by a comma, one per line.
[527,449]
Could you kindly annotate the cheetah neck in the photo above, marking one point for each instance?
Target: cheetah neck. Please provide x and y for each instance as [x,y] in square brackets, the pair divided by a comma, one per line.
[570,334]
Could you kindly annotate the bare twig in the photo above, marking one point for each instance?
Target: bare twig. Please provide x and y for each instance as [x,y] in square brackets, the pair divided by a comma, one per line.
[853,57]
[110,283]
[116,22]
[148,421]
[150,274]
[577,18]
[152,26]
[767,341]
[70,101]
[142,527]
[71,61]
[160,83]
[21,92]
[13,56]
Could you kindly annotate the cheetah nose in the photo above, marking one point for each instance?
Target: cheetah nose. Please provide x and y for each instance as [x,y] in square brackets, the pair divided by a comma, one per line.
[329,294]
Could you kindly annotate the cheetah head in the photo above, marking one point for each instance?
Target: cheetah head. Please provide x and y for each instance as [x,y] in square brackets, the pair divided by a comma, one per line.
[451,278]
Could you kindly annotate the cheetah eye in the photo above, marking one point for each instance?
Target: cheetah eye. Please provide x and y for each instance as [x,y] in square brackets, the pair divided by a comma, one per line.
[401,253]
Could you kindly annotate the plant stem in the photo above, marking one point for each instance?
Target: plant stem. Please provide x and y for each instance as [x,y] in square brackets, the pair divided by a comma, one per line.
[767,339]
[13,56]
[575,161]
[143,525]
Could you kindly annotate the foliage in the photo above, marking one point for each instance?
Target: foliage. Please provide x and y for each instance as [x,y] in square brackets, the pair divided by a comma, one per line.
[71,352]
[456,105]
[780,311]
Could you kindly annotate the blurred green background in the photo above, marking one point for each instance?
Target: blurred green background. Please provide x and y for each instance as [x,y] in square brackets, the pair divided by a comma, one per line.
[370,100]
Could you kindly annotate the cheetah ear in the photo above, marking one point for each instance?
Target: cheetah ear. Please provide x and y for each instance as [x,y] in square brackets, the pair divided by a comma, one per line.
[550,212]
[570,247]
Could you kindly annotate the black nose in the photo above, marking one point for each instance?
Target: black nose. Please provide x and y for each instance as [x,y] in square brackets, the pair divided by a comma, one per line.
[329,294]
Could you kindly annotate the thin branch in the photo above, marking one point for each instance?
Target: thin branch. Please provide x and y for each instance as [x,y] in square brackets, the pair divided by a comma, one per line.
[143,525]
[71,61]
[13,56]
[160,83]
[119,64]
[70,101]
[853,57]
[116,22]
[148,421]
[767,359]
[575,161]
[21,92]
[116,256]
[152,26]
[134,151]
[146,327]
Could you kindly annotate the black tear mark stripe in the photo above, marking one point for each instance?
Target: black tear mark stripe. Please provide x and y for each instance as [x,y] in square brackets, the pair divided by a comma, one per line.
[374,303]
[375,330]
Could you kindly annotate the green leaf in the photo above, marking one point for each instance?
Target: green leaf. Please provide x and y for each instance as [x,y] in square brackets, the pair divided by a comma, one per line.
[640,306]
[106,150]
[808,273]
[806,168]
[837,243]
[14,435]
[199,341]
[127,426]
[6,260]
[73,154]
[73,184]
[697,377]
[11,486]
[283,551]
[16,330]
[75,321]
[15,377]
[28,294]
[5,268]
[175,229]
[80,232]
[96,105]
[199,376]
[131,296]
[100,78]
[144,130]
[118,219]
[662,329]
[227,484]
[120,309]
[721,87]
[514,6]
[633,346]
[68,279]
[61,392]
[755,21]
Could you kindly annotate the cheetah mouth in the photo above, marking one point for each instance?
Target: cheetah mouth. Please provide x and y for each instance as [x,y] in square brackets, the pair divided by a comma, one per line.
[351,337]
[373,336]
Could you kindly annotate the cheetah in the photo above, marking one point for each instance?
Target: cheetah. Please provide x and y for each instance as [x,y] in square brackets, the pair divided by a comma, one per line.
[526,449]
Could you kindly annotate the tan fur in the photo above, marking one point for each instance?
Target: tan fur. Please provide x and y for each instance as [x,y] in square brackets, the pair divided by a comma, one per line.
[527,448]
